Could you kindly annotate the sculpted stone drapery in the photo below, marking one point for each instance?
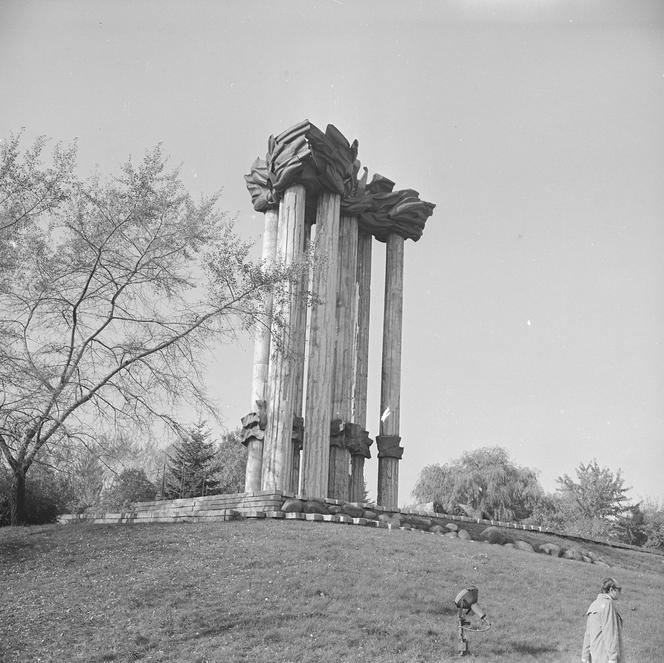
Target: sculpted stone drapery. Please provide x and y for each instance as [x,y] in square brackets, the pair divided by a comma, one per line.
[357,440]
[304,155]
[384,211]
[263,196]
[305,169]
[253,424]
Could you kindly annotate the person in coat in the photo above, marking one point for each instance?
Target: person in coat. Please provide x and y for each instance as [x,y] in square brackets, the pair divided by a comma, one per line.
[602,642]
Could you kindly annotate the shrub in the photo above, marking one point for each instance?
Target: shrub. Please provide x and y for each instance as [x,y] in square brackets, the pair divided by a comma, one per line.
[131,485]
[44,498]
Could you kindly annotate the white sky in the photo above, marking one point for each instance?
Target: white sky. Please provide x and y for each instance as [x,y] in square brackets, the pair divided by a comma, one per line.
[533,309]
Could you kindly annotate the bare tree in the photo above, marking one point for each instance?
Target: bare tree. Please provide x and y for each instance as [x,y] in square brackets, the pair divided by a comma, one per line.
[110,292]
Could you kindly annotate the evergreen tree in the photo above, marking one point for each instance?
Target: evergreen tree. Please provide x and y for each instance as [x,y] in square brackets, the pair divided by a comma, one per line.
[192,465]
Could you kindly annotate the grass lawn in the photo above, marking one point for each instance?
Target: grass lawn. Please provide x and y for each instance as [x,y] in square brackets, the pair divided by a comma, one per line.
[286,591]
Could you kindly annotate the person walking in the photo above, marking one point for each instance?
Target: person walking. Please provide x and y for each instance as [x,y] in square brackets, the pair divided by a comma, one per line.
[602,642]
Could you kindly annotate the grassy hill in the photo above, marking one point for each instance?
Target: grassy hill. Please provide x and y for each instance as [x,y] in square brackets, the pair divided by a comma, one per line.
[286,591]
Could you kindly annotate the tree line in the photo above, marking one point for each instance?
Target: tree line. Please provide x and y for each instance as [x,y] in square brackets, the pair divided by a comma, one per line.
[485,483]
[114,474]
[112,289]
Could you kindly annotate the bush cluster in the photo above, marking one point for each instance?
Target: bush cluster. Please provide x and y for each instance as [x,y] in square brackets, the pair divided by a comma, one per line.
[86,482]
[44,497]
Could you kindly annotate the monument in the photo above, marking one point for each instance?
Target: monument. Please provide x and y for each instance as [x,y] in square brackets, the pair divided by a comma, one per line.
[309,399]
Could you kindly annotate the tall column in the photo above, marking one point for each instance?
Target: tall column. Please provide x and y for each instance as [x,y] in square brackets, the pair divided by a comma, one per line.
[298,396]
[316,451]
[344,358]
[254,442]
[278,447]
[359,447]
[389,451]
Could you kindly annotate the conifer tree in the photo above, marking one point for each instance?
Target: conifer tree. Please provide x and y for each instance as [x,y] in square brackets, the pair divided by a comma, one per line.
[192,465]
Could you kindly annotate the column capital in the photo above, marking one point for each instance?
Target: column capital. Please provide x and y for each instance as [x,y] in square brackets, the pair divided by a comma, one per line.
[253,424]
[357,440]
[382,211]
[388,446]
[337,438]
[303,155]
[263,196]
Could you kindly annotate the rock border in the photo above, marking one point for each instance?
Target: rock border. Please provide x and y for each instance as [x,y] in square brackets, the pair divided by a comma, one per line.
[265,504]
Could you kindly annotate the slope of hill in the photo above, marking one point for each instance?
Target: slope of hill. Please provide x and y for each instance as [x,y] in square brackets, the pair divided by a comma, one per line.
[286,591]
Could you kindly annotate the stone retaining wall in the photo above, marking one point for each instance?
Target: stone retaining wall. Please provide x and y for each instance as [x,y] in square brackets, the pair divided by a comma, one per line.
[195,509]
[268,504]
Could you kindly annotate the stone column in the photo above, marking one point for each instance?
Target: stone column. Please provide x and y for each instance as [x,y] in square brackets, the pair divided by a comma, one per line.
[316,451]
[358,443]
[344,357]
[254,443]
[359,448]
[389,451]
[298,396]
[278,446]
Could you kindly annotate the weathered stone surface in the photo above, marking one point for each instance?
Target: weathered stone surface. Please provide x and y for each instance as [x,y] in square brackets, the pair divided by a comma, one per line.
[394,520]
[550,549]
[419,522]
[312,506]
[370,515]
[601,562]
[588,560]
[253,424]
[452,527]
[524,545]
[452,535]
[438,529]
[333,508]
[509,544]
[357,440]
[573,553]
[463,534]
[494,535]
[352,510]
[388,446]
[304,153]
[382,211]
[292,505]
[263,197]
[425,506]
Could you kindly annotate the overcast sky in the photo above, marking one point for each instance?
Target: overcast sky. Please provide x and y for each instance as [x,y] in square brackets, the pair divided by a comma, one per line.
[533,312]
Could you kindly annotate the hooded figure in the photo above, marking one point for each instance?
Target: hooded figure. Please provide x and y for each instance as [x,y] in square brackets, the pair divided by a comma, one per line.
[602,642]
